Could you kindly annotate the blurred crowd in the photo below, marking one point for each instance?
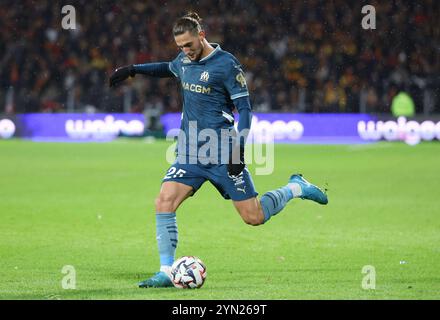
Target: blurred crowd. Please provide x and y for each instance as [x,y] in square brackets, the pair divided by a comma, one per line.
[298,56]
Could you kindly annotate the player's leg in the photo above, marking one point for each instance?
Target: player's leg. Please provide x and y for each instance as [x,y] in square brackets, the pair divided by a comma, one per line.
[256,212]
[179,183]
[171,195]
[250,211]
[241,190]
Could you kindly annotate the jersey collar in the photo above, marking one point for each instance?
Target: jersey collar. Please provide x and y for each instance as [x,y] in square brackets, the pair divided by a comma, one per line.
[217,48]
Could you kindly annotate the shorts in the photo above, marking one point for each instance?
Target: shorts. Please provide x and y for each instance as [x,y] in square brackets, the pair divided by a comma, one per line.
[236,188]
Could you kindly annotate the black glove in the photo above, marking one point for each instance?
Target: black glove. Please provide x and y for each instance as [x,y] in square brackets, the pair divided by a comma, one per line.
[236,161]
[120,74]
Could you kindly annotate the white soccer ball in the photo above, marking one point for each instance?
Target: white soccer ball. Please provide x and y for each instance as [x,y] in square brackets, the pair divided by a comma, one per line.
[188,272]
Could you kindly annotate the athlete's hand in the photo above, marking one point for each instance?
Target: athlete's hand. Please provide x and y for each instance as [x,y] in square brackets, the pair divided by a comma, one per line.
[120,74]
[236,161]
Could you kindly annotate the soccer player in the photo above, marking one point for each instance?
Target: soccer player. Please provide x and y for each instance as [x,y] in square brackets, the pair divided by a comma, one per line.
[213,85]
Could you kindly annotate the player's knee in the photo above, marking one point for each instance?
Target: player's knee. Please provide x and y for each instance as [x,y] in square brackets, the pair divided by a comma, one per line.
[165,203]
[253,218]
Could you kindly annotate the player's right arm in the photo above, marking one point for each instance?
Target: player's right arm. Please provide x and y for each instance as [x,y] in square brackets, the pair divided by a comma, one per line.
[156,69]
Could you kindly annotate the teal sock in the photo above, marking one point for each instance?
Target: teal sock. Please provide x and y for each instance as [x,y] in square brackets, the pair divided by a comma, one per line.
[274,201]
[166,236]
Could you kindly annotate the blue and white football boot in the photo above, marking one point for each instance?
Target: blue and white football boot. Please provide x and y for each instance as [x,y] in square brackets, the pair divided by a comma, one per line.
[308,191]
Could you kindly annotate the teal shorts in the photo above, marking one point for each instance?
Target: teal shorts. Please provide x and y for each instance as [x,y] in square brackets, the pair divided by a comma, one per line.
[236,188]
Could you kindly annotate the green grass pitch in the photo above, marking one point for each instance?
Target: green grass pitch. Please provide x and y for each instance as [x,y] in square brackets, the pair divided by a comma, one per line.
[91,206]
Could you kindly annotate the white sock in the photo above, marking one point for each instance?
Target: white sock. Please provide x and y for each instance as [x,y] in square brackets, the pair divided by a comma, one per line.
[296,189]
[166,269]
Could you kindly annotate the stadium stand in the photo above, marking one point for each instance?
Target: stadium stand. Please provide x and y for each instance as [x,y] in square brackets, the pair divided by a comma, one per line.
[299,56]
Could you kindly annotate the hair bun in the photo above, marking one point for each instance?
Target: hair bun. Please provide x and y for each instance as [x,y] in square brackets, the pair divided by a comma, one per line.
[193,15]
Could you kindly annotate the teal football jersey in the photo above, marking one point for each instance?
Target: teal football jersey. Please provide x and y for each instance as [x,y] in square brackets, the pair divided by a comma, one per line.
[209,87]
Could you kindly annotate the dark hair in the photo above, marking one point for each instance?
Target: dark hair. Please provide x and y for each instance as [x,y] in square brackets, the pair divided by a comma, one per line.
[190,22]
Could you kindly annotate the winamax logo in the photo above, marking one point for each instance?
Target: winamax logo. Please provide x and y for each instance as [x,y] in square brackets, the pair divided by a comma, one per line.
[409,131]
[109,128]
[7,128]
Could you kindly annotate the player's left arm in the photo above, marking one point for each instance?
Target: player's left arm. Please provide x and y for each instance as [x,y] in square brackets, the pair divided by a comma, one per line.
[236,162]
[237,88]
[244,109]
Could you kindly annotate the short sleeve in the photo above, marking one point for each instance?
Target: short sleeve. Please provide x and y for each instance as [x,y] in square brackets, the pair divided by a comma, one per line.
[235,81]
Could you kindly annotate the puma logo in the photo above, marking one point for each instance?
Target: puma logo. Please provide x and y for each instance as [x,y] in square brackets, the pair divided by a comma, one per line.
[242,189]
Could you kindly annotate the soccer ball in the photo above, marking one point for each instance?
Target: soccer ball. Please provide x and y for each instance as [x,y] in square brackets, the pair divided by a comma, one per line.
[188,272]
